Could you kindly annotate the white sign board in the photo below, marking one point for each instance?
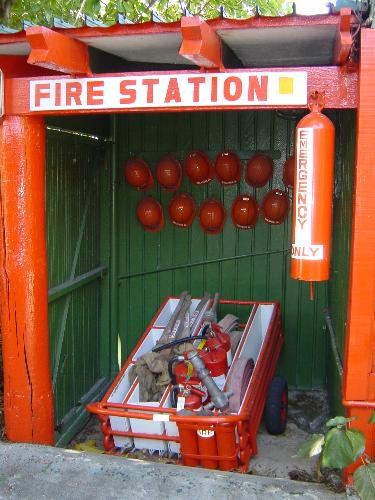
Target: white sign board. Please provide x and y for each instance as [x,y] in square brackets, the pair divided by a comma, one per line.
[302,248]
[174,90]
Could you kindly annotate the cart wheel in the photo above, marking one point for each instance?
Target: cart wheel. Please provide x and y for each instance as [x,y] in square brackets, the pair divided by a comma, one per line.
[276,410]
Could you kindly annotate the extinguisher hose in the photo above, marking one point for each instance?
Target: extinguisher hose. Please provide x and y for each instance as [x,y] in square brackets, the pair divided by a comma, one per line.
[177,342]
[174,391]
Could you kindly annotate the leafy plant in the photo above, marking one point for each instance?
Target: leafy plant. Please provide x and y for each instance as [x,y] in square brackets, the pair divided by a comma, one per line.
[340,447]
[73,11]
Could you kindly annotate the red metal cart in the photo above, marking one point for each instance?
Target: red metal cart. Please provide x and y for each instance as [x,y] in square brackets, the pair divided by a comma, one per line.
[224,441]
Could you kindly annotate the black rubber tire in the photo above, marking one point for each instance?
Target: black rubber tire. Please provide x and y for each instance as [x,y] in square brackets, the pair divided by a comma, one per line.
[276,409]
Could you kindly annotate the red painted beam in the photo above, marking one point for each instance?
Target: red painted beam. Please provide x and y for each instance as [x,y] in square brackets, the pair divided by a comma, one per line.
[152,28]
[200,43]
[28,400]
[58,52]
[343,42]
[359,360]
[339,85]
[17,67]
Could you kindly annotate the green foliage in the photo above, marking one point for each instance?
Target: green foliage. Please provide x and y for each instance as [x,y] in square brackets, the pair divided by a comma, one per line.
[334,422]
[342,447]
[312,447]
[73,11]
[364,480]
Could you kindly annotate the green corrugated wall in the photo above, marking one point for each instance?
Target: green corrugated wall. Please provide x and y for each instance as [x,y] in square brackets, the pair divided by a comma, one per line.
[145,258]
[252,264]
[74,167]
[342,231]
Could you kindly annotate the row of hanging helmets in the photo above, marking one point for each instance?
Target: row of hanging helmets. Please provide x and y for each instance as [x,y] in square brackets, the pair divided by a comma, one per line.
[311,175]
[198,168]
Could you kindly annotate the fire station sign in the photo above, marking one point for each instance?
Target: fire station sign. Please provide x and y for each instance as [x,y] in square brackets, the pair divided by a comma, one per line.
[178,90]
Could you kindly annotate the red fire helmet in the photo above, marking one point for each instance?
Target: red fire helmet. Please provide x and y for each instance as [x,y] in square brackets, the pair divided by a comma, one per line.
[259,170]
[150,214]
[288,172]
[138,174]
[168,173]
[198,167]
[212,216]
[244,212]
[228,167]
[275,206]
[182,210]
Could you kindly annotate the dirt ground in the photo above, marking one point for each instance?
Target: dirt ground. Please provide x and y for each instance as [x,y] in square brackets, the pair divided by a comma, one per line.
[308,411]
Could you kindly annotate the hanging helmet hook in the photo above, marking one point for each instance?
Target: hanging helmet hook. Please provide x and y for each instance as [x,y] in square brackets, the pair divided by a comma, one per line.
[316,101]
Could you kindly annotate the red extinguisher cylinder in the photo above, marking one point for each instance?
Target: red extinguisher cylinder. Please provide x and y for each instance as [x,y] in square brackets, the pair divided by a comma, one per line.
[189,444]
[226,447]
[312,200]
[207,446]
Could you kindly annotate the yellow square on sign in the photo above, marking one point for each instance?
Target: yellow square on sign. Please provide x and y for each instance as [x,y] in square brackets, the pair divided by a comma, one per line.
[285,85]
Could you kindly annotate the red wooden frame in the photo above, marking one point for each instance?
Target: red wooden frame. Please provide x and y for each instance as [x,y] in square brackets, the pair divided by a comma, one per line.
[338,84]
[359,362]
[58,52]
[200,43]
[152,28]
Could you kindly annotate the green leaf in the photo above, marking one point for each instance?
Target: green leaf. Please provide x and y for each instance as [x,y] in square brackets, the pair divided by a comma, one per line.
[338,451]
[357,440]
[312,447]
[372,419]
[364,481]
[334,422]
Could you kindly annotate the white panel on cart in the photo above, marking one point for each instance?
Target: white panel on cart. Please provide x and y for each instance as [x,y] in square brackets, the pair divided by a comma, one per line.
[257,332]
[171,429]
[139,425]
[121,423]
[148,343]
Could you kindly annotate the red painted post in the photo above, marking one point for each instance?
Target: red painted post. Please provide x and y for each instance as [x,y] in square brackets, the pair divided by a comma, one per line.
[359,362]
[28,400]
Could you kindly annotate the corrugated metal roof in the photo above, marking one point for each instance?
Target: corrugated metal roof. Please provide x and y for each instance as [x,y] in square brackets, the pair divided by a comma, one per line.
[290,40]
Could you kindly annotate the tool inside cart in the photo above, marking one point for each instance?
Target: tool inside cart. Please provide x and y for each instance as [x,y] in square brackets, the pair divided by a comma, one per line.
[194,354]
[195,385]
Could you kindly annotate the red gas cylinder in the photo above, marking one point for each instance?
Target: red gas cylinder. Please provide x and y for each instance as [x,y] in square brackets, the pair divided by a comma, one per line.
[185,374]
[182,210]
[275,207]
[259,170]
[244,212]
[207,447]
[288,172]
[198,167]
[150,214]
[312,201]
[228,167]
[212,216]
[168,173]
[138,174]
[215,360]
[192,398]
[219,338]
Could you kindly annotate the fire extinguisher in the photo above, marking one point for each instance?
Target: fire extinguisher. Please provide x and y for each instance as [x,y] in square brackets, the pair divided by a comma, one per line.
[312,200]
[187,397]
[218,338]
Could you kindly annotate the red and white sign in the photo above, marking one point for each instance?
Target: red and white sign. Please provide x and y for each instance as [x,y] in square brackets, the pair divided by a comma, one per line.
[178,90]
[302,248]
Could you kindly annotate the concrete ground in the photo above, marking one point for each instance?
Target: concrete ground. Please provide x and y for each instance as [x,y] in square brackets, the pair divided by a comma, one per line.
[34,472]
[29,472]
[308,410]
